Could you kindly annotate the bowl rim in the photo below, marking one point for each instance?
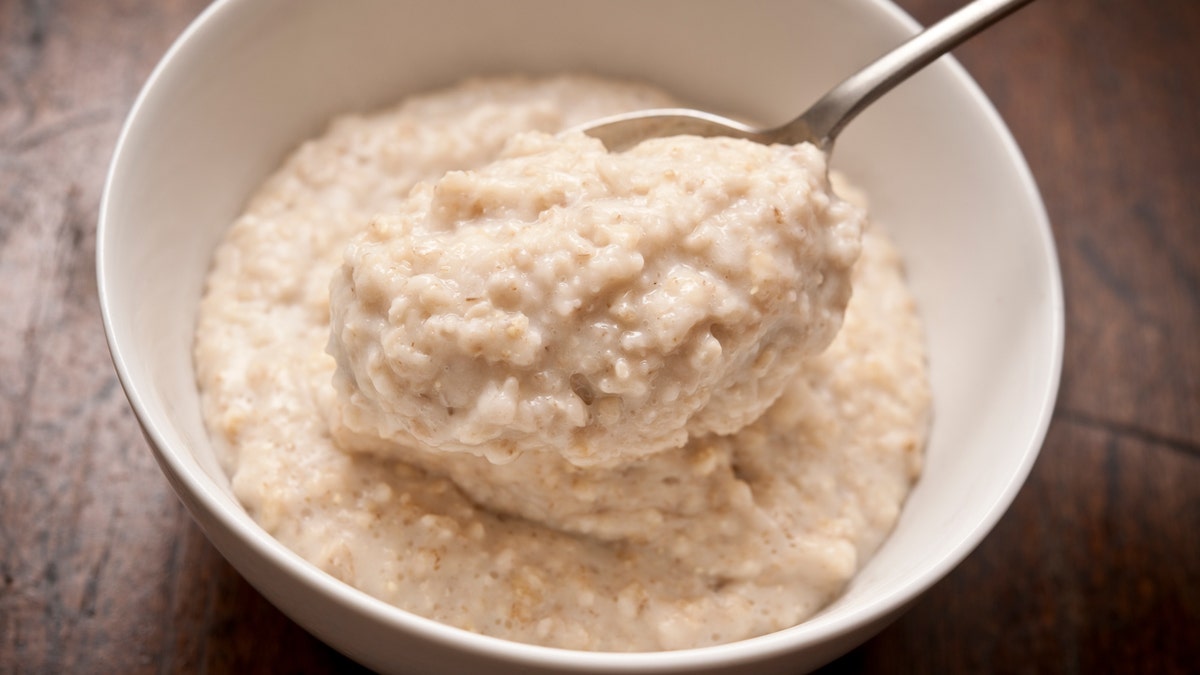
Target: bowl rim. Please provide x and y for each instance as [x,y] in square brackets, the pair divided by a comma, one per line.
[188,479]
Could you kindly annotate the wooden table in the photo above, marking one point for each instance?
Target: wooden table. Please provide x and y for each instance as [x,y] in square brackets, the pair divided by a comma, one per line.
[1095,568]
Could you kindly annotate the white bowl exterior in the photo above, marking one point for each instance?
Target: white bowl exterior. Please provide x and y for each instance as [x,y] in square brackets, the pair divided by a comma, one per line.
[251,78]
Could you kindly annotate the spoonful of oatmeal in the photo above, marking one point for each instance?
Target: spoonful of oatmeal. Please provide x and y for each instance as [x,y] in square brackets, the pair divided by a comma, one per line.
[565,300]
[826,118]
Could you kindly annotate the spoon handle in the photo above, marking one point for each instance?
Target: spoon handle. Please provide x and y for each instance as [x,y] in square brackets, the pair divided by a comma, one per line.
[826,118]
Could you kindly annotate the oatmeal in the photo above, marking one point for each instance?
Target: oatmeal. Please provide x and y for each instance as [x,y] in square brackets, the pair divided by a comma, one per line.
[778,464]
[602,306]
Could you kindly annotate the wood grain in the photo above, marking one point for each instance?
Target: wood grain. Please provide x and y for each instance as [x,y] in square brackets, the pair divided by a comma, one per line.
[1096,568]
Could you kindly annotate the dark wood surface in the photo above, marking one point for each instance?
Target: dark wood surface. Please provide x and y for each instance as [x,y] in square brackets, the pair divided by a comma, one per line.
[1096,568]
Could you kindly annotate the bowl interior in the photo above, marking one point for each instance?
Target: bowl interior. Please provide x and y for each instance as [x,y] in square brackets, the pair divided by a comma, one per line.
[251,78]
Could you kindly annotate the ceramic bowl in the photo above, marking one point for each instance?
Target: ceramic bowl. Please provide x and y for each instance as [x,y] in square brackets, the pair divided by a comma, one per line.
[252,78]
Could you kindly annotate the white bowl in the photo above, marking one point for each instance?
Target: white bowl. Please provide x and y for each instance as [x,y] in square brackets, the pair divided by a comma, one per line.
[251,78]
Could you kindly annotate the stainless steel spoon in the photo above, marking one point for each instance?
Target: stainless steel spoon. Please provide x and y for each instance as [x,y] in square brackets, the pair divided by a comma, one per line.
[822,122]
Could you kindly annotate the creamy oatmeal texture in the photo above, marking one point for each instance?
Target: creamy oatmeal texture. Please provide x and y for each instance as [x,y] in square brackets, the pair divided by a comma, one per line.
[594,305]
[713,522]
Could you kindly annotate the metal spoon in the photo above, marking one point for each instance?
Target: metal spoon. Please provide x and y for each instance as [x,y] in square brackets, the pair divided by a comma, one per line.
[822,122]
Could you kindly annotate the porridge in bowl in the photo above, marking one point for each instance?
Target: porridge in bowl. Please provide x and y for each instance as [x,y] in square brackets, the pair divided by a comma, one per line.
[586,400]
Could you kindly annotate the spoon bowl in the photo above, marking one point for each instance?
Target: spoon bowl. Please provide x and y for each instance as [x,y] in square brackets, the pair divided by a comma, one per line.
[825,119]
[251,79]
